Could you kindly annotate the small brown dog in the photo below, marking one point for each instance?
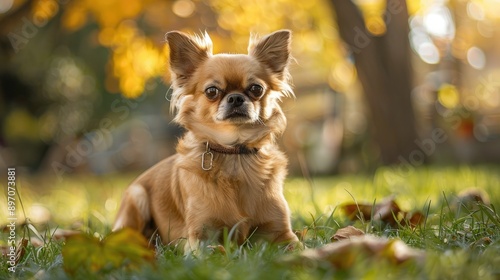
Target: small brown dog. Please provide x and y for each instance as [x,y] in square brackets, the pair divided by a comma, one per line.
[228,170]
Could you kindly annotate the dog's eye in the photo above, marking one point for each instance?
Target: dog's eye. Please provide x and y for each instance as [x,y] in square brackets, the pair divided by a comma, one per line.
[256,90]
[212,93]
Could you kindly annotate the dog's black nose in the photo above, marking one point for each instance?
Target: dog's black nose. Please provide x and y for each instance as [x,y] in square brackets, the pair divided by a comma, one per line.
[235,99]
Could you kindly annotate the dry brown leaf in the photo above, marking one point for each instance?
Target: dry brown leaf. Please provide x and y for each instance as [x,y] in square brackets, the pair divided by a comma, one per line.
[381,211]
[387,211]
[352,211]
[345,253]
[485,241]
[469,199]
[474,195]
[346,233]
[414,219]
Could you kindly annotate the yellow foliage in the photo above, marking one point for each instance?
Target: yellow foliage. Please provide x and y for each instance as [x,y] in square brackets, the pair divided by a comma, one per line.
[448,96]
[373,12]
[490,7]
[123,248]
[342,76]
[75,16]
[315,37]
[135,58]
[376,25]
[413,6]
[20,125]
[43,11]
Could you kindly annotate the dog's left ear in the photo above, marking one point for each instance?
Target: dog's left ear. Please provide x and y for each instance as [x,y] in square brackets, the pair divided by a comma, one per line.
[272,50]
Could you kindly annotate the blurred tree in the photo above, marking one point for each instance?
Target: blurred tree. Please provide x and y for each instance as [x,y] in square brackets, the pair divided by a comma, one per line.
[66,65]
[382,59]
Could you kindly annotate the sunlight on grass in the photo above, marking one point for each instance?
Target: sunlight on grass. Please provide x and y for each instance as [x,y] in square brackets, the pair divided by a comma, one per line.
[414,191]
[81,199]
[460,240]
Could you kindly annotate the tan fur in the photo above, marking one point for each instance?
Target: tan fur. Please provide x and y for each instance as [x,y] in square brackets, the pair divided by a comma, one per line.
[243,190]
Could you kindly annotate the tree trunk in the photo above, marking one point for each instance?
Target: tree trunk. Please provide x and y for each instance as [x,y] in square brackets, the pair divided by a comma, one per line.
[384,70]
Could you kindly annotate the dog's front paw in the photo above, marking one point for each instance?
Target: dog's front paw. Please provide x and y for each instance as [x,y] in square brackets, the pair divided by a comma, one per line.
[293,246]
[192,247]
[289,242]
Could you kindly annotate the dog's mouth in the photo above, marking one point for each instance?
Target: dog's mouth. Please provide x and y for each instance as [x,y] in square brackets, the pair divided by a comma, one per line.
[237,115]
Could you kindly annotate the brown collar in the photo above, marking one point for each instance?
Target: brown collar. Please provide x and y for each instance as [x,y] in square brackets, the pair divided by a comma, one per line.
[238,149]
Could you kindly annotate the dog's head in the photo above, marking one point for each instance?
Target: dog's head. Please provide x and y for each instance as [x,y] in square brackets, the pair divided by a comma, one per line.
[230,98]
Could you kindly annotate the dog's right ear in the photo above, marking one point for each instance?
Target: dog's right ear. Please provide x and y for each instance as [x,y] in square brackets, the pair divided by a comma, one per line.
[186,53]
[272,50]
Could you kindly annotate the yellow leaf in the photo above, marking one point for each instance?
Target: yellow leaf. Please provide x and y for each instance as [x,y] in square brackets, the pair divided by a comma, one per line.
[348,252]
[123,248]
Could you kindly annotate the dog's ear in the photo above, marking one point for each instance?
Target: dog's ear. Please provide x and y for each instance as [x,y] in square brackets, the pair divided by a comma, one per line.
[272,50]
[187,52]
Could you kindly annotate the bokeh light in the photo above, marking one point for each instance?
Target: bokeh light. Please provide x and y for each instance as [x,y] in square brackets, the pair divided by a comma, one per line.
[5,5]
[476,58]
[429,53]
[448,96]
[183,8]
[475,11]
[439,23]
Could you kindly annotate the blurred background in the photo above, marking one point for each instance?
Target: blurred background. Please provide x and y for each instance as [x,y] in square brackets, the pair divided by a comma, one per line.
[84,84]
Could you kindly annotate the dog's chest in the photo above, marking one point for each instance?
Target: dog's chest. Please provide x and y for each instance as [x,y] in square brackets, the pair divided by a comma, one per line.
[245,181]
[244,171]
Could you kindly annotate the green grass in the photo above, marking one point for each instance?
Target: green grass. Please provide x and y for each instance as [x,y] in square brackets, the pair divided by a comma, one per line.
[460,241]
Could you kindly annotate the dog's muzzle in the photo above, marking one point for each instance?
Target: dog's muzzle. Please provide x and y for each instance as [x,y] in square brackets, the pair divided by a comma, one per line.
[236,106]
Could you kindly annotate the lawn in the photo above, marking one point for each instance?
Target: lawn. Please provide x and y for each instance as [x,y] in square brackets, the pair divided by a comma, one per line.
[458,236]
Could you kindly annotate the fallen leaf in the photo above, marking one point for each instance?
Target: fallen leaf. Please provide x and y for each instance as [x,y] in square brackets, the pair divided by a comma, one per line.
[387,211]
[346,233]
[483,242]
[125,247]
[357,211]
[347,252]
[474,195]
[380,211]
[414,219]
[469,199]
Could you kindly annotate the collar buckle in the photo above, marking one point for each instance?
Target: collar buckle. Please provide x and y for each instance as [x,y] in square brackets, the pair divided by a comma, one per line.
[207,159]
